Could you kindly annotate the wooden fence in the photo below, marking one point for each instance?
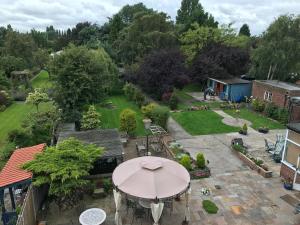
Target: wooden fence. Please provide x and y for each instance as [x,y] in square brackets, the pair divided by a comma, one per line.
[31,205]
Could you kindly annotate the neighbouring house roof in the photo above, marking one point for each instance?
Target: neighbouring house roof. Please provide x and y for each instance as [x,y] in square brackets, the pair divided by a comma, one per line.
[234,80]
[107,138]
[12,172]
[294,126]
[280,84]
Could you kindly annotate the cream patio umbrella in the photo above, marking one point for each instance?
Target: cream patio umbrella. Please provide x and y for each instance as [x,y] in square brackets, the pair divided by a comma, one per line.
[153,179]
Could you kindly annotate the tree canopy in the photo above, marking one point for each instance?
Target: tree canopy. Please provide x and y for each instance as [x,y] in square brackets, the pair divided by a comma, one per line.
[191,11]
[278,53]
[219,61]
[245,30]
[81,76]
[161,71]
[63,168]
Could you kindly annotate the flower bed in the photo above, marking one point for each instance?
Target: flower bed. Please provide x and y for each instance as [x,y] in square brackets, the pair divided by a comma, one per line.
[253,163]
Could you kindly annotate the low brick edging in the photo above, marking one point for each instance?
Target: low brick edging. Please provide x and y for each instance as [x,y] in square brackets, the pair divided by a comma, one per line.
[253,166]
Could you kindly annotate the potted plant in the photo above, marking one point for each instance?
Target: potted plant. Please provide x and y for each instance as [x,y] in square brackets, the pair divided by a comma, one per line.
[288,184]
[263,130]
[147,123]
[244,129]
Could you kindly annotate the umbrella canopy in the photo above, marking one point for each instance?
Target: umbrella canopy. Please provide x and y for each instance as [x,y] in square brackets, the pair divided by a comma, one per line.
[151,177]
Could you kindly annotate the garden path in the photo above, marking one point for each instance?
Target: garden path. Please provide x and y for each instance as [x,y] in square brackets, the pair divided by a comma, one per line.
[236,122]
[176,130]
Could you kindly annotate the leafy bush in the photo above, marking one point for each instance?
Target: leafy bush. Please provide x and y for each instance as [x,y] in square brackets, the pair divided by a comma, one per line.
[6,151]
[283,115]
[20,137]
[128,121]
[90,119]
[5,98]
[245,127]
[160,115]
[139,97]
[147,109]
[200,160]
[173,102]
[271,110]
[239,148]
[129,90]
[186,162]
[209,207]
[258,105]
[107,186]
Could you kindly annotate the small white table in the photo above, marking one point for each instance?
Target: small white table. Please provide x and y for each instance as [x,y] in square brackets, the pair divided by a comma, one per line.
[93,216]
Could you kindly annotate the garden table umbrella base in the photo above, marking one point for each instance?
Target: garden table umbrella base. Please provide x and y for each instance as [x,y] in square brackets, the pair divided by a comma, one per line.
[93,216]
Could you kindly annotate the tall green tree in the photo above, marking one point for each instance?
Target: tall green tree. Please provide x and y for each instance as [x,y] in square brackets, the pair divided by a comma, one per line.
[37,97]
[63,168]
[144,34]
[278,53]
[245,30]
[191,11]
[91,119]
[81,76]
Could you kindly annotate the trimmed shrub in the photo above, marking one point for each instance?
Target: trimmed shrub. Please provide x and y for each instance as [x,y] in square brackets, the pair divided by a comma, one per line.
[129,90]
[258,105]
[147,110]
[90,119]
[128,121]
[186,162]
[107,186]
[160,115]
[283,115]
[245,127]
[173,103]
[200,161]
[271,110]
[139,97]
[5,98]
[209,207]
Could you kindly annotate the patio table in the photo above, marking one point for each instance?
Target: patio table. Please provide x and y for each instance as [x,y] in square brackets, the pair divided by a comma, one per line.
[93,216]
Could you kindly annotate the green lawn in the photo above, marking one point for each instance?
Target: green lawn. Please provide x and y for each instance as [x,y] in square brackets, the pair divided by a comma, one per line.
[41,80]
[256,119]
[13,116]
[203,122]
[110,118]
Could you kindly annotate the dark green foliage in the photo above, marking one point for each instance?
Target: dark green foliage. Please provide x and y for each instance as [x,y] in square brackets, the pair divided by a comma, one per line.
[134,94]
[6,151]
[277,54]
[209,207]
[258,105]
[4,81]
[20,137]
[191,11]
[81,77]
[160,115]
[107,186]
[245,30]
[63,168]
[283,115]
[200,161]
[239,148]
[173,102]
[186,162]
[271,110]
[5,99]
[11,63]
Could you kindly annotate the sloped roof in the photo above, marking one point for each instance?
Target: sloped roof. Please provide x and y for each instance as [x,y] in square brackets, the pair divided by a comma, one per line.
[233,80]
[12,172]
[280,84]
[107,138]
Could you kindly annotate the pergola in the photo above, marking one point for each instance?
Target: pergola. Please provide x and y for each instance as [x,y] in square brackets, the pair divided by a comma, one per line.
[12,175]
[154,179]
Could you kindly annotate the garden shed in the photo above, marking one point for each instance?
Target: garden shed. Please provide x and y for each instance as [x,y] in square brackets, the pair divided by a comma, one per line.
[107,138]
[233,89]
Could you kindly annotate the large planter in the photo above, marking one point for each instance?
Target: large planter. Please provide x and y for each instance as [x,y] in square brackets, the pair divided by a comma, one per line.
[243,132]
[263,130]
[147,123]
[259,169]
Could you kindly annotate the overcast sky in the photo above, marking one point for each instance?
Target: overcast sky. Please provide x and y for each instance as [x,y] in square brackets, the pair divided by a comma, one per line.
[27,14]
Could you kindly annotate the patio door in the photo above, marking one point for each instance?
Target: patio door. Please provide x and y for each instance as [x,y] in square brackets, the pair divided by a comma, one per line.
[296,183]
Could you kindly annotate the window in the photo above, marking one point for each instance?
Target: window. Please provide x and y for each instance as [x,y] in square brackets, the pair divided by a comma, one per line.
[268,96]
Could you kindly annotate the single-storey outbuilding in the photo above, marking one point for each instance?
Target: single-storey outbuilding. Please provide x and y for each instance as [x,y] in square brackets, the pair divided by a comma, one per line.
[233,89]
[278,92]
[109,139]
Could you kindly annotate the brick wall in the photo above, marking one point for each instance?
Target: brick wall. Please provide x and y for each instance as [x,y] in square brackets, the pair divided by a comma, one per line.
[288,174]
